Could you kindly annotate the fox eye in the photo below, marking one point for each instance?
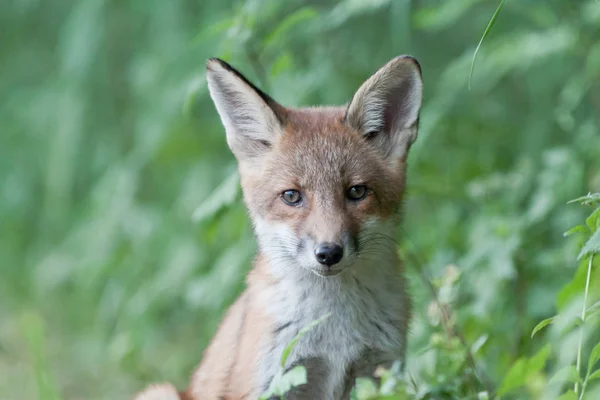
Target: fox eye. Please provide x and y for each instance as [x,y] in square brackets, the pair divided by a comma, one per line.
[357,192]
[291,197]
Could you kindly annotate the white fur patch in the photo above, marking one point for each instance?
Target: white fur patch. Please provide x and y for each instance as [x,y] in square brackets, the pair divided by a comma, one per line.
[366,302]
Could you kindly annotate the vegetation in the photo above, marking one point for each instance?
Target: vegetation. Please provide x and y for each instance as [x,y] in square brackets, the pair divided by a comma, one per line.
[123,235]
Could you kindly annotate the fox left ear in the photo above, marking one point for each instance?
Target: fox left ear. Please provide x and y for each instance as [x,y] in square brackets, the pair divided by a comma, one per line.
[252,119]
[385,109]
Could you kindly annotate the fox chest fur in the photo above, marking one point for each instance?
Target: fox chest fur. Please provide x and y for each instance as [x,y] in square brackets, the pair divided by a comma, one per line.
[365,327]
[323,187]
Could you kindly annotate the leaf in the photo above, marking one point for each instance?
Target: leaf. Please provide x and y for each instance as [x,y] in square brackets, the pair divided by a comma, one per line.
[538,361]
[514,378]
[299,16]
[592,246]
[282,383]
[566,374]
[570,395]
[224,195]
[365,388]
[520,372]
[296,376]
[572,290]
[346,9]
[588,199]
[576,229]
[593,221]
[478,344]
[485,33]
[594,357]
[594,376]
[594,307]
[213,30]
[303,331]
[590,316]
[592,311]
[541,325]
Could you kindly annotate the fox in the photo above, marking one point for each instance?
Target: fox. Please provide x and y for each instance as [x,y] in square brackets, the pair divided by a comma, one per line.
[323,187]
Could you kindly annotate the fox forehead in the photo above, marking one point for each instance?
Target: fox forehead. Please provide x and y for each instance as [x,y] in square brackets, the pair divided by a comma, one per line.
[318,150]
[318,154]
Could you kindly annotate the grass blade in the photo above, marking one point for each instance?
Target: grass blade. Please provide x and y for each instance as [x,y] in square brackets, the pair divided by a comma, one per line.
[487,31]
[303,331]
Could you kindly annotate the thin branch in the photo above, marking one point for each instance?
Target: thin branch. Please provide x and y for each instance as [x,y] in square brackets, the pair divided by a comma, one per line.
[450,330]
[585,296]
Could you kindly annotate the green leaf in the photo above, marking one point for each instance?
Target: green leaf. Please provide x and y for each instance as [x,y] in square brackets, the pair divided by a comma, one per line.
[365,388]
[514,378]
[538,361]
[588,199]
[213,30]
[281,384]
[594,307]
[541,325]
[296,376]
[520,372]
[485,33]
[303,331]
[592,246]
[224,195]
[566,374]
[590,316]
[478,344]
[570,395]
[299,16]
[594,357]
[576,229]
[594,376]
[592,311]
[593,221]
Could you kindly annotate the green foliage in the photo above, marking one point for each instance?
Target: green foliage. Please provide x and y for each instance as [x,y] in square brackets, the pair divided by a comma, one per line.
[524,370]
[123,237]
[285,380]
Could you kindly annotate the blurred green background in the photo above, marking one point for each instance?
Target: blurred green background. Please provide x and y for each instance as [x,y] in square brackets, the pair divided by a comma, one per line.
[122,234]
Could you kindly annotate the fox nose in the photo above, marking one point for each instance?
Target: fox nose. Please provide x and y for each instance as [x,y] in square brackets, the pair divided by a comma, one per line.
[329,253]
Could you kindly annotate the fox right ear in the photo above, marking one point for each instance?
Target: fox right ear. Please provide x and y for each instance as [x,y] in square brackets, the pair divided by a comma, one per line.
[385,109]
[252,119]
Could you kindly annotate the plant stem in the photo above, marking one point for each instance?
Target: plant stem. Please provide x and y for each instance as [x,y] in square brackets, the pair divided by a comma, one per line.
[585,295]
[451,331]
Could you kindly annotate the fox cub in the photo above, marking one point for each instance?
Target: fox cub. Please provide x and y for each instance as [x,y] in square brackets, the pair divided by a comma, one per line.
[323,187]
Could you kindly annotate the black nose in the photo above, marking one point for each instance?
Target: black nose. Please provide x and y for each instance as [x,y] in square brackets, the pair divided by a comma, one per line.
[329,253]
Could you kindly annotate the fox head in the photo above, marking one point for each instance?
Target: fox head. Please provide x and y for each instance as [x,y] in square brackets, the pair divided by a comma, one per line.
[323,185]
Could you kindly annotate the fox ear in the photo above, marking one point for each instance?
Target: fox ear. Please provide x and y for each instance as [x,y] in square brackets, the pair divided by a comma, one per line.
[252,119]
[385,109]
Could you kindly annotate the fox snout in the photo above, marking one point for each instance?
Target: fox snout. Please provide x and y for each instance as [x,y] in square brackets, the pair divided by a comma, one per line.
[328,256]
[328,253]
